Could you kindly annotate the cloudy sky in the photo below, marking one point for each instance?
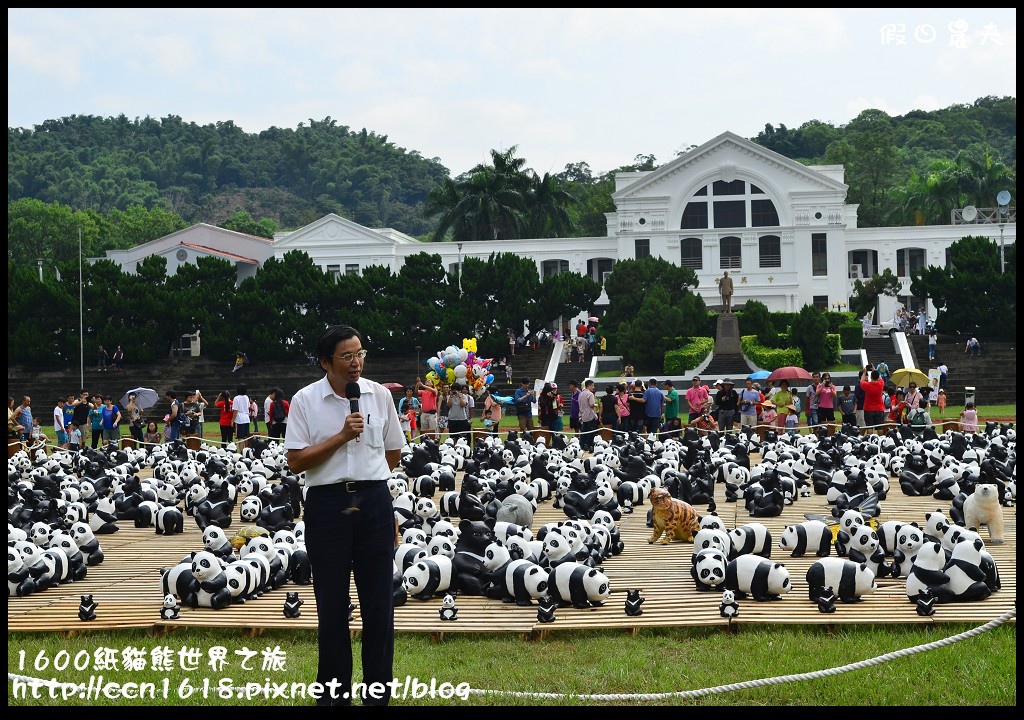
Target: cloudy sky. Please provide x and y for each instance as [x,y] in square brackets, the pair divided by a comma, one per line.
[564,85]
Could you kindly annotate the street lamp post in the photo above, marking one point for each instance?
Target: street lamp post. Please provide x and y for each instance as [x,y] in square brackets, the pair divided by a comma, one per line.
[1002,255]
[460,269]
[418,348]
[40,262]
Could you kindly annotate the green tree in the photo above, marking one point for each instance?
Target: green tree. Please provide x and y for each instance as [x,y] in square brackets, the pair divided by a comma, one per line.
[808,333]
[971,294]
[658,327]
[243,222]
[631,280]
[865,294]
[756,319]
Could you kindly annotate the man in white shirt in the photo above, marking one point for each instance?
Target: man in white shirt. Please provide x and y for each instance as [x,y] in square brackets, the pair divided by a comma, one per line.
[588,415]
[240,408]
[344,434]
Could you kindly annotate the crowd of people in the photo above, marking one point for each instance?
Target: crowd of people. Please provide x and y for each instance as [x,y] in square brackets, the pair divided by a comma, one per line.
[90,419]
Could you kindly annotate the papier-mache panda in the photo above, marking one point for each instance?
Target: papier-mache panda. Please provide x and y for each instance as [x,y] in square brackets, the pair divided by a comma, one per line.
[428,577]
[758,577]
[965,576]
[848,579]
[864,548]
[579,585]
[809,536]
[928,570]
[707,568]
[751,539]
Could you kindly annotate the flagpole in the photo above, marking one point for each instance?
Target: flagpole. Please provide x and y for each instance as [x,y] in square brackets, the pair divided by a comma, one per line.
[81,325]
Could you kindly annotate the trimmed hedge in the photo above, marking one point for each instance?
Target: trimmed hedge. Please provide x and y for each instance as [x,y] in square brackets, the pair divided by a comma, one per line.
[688,356]
[851,334]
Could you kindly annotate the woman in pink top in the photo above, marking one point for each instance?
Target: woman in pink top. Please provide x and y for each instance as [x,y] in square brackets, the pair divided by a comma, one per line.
[697,398]
[826,394]
[495,408]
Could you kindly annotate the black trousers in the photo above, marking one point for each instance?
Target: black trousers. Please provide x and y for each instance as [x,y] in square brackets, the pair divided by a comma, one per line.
[587,430]
[352,535]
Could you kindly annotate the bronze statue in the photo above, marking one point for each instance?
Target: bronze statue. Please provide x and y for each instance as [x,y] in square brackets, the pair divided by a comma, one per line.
[725,290]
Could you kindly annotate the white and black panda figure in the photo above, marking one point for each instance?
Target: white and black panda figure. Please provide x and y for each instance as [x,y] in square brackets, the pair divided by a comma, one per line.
[448,611]
[215,540]
[546,607]
[707,568]
[19,578]
[87,608]
[243,581]
[212,583]
[848,579]
[909,541]
[812,536]
[729,608]
[408,553]
[864,548]
[965,576]
[927,571]
[751,539]
[169,521]
[170,610]
[633,602]
[757,577]
[428,577]
[178,580]
[87,543]
[250,508]
[398,594]
[925,602]
[292,605]
[578,585]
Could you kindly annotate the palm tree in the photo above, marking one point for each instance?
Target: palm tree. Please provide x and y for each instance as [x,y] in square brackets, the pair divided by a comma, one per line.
[548,213]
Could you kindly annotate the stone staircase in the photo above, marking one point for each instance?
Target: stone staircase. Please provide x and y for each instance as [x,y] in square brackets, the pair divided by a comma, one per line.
[732,366]
[991,373]
[884,349]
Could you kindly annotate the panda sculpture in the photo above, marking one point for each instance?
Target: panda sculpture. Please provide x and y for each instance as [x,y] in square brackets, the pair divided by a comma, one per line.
[864,548]
[448,611]
[758,577]
[965,578]
[88,543]
[909,541]
[169,521]
[750,539]
[215,540]
[729,608]
[810,536]
[428,577]
[707,568]
[546,607]
[211,589]
[19,580]
[170,609]
[849,580]
[578,585]
[927,571]
[925,601]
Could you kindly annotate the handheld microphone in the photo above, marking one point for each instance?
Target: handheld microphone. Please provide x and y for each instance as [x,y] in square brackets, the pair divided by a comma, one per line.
[352,392]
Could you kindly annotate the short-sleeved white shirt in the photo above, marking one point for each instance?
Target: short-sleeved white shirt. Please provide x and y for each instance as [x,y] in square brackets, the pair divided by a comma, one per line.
[317,412]
[241,407]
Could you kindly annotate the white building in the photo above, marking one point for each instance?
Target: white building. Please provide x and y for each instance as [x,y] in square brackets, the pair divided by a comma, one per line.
[783,230]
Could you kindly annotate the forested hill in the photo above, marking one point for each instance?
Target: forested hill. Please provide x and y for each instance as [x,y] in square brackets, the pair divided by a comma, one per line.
[899,168]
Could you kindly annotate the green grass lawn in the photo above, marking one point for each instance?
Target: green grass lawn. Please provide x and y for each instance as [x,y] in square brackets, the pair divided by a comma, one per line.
[670,666]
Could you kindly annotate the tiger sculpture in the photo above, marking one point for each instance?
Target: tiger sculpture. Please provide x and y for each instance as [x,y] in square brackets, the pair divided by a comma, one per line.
[672,518]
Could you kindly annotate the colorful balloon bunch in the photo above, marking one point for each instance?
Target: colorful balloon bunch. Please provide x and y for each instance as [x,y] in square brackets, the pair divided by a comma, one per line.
[460,365]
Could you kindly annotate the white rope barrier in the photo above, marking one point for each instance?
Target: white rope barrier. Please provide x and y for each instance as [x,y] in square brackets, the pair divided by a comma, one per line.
[679,694]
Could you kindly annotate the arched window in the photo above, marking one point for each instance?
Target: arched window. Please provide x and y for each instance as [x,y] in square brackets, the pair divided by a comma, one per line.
[769,251]
[691,253]
[729,253]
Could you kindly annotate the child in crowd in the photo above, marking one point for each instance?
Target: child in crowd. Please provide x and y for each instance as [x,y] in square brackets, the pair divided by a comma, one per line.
[942,402]
[489,423]
[75,438]
[37,431]
[152,436]
[969,418]
[408,420]
[792,418]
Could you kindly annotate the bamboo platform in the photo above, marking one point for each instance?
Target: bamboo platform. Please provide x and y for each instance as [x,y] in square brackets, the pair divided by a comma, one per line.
[126,587]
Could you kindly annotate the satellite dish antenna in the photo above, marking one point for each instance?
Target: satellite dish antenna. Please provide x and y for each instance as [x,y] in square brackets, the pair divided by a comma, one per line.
[1003,198]
[969,213]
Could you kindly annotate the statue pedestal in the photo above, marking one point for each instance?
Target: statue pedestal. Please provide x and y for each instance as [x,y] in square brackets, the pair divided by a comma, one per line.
[727,340]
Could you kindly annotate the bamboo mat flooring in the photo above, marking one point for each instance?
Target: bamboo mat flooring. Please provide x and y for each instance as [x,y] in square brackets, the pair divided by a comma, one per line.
[126,586]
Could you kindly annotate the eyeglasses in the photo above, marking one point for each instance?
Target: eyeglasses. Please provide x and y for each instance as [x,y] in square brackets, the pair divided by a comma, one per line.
[349,357]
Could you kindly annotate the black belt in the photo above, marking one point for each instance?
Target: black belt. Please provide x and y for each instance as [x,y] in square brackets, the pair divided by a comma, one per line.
[354,486]
[428,412]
